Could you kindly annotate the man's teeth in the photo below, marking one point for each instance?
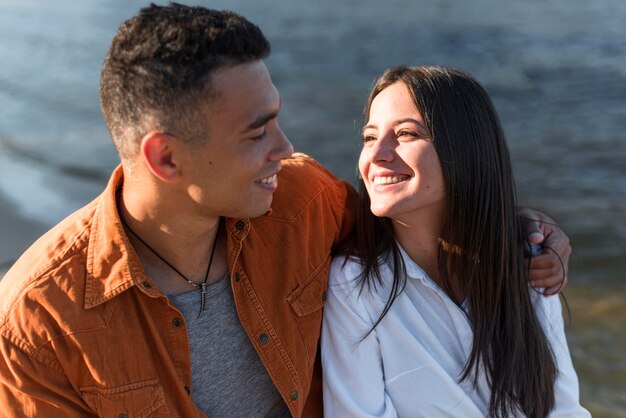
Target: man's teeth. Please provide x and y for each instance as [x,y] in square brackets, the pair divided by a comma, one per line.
[268,180]
[379,181]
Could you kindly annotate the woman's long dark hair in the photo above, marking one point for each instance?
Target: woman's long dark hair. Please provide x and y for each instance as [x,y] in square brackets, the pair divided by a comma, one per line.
[482,225]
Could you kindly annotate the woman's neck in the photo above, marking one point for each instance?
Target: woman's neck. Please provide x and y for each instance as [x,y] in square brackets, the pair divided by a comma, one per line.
[420,239]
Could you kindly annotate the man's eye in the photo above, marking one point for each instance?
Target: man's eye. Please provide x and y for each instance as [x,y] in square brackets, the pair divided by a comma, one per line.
[258,137]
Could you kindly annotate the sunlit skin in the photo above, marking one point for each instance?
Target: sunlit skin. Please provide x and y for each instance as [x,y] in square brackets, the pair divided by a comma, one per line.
[402,173]
[398,162]
[403,177]
[234,174]
[178,191]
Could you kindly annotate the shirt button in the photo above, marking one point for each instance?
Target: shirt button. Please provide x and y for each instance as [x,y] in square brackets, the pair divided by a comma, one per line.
[294,395]
[264,339]
[187,390]
[177,322]
[240,224]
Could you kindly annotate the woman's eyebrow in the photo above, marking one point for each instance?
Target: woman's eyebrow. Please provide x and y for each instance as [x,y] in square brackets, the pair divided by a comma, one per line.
[411,120]
[400,121]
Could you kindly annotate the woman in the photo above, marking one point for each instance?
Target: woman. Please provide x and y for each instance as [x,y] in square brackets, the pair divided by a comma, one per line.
[430,313]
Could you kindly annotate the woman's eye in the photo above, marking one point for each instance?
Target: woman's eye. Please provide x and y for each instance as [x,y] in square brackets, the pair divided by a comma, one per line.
[409,135]
[405,132]
[368,138]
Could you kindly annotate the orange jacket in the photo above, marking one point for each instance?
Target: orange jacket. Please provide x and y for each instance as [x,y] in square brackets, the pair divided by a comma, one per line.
[84,331]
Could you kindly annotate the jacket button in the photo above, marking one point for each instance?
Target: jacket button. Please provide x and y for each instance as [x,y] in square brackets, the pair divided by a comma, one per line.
[294,395]
[240,224]
[187,390]
[122,416]
[177,322]
[147,285]
[324,296]
[237,277]
[264,339]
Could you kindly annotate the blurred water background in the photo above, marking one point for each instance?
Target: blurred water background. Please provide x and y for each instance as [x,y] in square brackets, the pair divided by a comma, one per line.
[556,70]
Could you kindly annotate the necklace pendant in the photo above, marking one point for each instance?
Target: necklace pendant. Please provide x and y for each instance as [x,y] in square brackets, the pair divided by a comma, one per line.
[202,298]
[202,286]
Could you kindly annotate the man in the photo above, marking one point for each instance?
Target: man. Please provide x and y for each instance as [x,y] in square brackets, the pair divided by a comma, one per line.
[193,262]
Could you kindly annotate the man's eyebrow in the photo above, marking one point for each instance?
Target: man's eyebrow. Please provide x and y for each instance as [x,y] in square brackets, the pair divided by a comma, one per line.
[399,121]
[263,119]
[260,121]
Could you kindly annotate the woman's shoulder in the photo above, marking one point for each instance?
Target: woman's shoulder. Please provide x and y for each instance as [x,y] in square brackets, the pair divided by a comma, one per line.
[345,275]
[343,267]
[346,281]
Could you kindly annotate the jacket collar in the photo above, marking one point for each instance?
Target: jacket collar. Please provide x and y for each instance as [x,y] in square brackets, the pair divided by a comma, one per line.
[112,263]
[113,266]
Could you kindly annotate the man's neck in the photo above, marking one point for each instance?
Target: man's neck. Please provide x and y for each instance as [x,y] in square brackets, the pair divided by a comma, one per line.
[185,241]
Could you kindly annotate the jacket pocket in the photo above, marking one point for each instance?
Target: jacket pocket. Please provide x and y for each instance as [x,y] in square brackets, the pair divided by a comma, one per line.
[306,302]
[310,296]
[135,400]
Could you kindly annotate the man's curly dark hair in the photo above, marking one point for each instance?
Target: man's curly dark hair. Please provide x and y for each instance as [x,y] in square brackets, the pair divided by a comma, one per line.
[156,74]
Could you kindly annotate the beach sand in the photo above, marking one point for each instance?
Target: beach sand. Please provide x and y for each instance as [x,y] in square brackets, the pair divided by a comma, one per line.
[18,233]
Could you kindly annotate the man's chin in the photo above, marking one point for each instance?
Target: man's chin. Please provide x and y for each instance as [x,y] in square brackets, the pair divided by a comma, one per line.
[260,210]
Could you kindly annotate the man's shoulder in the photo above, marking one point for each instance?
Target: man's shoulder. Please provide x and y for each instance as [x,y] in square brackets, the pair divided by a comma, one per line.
[302,181]
[302,168]
[46,267]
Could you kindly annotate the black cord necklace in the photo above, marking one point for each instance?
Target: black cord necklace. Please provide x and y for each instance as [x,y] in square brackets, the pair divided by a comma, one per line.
[201,286]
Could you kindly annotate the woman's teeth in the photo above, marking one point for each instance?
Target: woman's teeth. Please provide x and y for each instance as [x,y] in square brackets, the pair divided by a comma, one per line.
[379,181]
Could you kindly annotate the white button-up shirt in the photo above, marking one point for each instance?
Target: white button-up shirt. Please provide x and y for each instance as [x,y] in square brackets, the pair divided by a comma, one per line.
[409,366]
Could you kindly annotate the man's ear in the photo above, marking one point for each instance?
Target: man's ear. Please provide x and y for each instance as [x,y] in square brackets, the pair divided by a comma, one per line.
[158,152]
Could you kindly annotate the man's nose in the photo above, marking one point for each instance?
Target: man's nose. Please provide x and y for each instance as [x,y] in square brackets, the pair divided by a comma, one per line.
[283,148]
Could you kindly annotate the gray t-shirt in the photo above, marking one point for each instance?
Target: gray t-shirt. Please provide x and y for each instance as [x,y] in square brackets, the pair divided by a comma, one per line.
[227,376]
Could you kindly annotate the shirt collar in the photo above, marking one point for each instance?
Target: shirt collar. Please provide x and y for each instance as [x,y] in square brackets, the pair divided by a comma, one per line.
[413,271]
[113,266]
